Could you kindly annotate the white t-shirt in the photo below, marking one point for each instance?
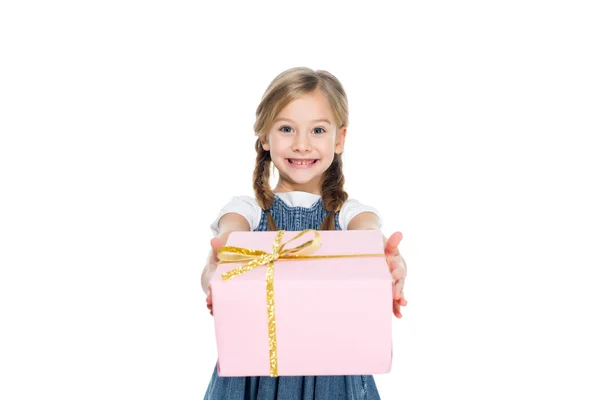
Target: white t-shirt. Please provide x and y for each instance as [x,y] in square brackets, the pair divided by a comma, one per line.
[248,207]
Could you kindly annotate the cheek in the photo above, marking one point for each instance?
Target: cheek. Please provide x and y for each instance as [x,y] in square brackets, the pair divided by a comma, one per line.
[275,150]
[278,147]
[327,148]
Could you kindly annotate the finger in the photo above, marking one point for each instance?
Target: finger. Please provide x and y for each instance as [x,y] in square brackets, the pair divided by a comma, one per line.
[392,264]
[395,294]
[402,264]
[396,309]
[397,273]
[391,246]
[215,244]
[400,288]
[403,302]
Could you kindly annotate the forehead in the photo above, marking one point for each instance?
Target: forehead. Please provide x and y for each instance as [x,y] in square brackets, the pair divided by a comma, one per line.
[308,107]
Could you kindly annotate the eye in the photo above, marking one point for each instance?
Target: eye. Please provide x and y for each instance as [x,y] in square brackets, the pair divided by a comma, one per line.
[285,127]
[323,130]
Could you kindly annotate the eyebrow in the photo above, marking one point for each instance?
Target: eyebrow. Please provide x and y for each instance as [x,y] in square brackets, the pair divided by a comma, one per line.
[314,120]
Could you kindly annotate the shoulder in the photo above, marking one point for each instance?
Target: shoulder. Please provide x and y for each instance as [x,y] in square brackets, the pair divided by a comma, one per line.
[352,208]
[246,206]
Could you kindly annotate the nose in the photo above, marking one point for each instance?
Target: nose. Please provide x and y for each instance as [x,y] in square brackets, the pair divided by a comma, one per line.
[301,143]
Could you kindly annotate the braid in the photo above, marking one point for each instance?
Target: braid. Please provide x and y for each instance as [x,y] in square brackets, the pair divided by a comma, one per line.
[262,188]
[333,195]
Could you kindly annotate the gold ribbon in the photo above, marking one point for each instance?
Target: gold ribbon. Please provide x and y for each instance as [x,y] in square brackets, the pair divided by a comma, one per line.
[257,258]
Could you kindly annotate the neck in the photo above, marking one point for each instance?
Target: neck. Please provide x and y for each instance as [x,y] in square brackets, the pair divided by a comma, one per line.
[309,187]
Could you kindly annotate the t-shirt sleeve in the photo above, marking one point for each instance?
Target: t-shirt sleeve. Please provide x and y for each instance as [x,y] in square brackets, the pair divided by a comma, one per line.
[352,208]
[246,206]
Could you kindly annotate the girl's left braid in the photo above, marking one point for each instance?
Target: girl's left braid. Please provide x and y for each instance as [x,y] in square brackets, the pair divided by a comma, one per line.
[334,195]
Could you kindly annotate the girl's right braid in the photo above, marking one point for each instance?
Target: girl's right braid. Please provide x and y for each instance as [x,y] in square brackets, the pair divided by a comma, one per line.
[262,188]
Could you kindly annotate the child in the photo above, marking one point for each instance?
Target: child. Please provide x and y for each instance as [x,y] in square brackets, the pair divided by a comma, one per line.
[301,127]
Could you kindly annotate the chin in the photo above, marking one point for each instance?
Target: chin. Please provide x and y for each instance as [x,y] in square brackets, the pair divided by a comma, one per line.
[299,176]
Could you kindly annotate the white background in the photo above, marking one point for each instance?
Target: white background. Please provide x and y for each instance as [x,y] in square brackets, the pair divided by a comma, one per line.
[126,125]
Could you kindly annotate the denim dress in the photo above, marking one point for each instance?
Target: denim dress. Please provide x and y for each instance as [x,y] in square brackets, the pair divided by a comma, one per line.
[349,387]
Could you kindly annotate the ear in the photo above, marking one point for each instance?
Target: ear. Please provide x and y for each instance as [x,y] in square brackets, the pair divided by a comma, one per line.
[340,140]
[265,143]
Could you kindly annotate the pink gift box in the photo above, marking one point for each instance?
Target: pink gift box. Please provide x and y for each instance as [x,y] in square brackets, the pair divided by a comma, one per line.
[333,316]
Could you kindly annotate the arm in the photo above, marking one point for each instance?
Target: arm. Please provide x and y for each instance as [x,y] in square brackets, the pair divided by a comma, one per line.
[364,221]
[228,223]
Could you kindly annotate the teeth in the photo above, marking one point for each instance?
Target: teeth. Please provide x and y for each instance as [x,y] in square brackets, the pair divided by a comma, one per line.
[303,162]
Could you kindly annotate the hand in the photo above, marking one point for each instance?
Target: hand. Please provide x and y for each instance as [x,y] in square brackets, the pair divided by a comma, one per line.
[209,301]
[398,270]
[215,243]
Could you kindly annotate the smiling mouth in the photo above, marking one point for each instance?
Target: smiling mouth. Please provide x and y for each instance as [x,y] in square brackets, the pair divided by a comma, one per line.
[298,161]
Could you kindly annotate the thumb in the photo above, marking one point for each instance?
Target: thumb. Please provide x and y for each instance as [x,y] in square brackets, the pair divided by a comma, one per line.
[391,247]
[215,243]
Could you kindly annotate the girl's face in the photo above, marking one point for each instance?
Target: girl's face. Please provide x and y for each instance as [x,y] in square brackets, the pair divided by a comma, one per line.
[303,141]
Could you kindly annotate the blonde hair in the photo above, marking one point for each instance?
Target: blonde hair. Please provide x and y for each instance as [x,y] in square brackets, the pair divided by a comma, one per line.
[286,87]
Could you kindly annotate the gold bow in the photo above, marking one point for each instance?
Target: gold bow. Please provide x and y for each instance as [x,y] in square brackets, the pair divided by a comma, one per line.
[257,258]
